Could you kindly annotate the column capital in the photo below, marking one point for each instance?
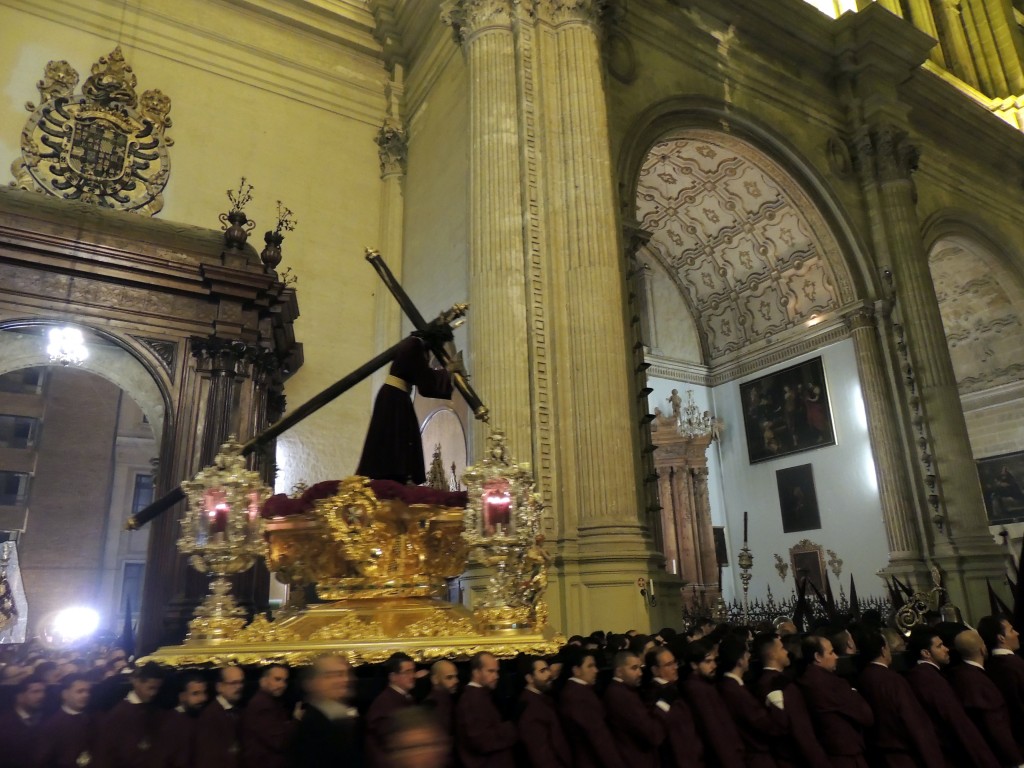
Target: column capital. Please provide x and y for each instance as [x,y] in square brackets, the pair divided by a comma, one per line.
[222,356]
[392,149]
[558,11]
[886,152]
[860,318]
[468,17]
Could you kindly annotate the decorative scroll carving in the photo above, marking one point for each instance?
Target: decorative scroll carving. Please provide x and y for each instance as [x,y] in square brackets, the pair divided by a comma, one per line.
[558,11]
[886,152]
[165,351]
[222,355]
[392,149]
[104,146]
[467,17]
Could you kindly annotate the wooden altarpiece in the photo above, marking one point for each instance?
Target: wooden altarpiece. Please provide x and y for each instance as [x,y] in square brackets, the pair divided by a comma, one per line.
[687,534]
[200,314]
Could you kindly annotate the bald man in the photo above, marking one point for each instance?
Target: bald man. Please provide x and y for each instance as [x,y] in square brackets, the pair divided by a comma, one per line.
[482,738]
[444,682]
[981,698]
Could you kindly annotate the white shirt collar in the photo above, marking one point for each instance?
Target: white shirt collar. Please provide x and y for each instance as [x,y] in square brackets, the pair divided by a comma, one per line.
[334,710]
[180,708]
[395,688]
[69,710]
[577,680]
[974,664]
[531,689]
[661,681]
[23,714]
[773,669]
[735,677]
[618,679]
[471,684]
[880,664]
[224,702]
[929,661]
[1001,652]
[133,698]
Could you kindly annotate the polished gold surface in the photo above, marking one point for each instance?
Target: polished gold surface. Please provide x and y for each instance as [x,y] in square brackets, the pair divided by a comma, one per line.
[384,564]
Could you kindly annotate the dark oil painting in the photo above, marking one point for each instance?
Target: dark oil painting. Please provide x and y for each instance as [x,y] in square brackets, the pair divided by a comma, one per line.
[1002,483]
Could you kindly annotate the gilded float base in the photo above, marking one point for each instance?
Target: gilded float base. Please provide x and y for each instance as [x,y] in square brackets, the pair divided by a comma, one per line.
[367,631]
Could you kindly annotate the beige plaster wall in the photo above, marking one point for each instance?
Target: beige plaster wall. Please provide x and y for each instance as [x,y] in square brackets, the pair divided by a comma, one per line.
[294,109]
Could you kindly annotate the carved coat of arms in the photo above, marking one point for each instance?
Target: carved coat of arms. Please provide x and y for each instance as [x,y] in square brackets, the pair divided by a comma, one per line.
[104,146]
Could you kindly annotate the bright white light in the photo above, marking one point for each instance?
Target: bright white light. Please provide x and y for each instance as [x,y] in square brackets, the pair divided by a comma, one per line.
[67,346]
[76,623]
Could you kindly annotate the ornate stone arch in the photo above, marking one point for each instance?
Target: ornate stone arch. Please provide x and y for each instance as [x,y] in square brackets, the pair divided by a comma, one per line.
[122,362]
[722,160]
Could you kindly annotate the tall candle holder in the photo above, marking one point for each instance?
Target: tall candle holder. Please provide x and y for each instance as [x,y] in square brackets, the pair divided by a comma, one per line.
[222,534]
[746,563]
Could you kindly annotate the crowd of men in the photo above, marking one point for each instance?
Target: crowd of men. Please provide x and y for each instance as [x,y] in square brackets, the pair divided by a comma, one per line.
[719,696]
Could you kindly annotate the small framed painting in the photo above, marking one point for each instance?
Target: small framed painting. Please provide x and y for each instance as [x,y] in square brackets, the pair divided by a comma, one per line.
[1002,484]
[797,499]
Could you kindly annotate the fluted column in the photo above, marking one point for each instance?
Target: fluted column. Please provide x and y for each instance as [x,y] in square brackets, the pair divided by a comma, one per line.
[498,337]
[958,52]
[392,150]
[894,483]
[923,18]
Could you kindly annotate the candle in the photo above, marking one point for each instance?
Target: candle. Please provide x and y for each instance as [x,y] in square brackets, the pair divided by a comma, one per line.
[744,526]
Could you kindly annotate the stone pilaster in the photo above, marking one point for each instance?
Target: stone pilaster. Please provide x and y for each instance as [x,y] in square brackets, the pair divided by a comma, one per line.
[894,480]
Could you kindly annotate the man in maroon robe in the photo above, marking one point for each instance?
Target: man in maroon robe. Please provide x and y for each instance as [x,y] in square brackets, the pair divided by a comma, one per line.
[682,747]
[981,698]
[267,728]
[583,715]
[67,736]
[840,714]
[130,736]
[637,731]
[799,747]
[959,740]
[179,729]
[482,738]
[20,726]
[1005,667]
[723,746]
[393,449]
[217,731]
[401,671]
[444,682]
[541,738]
[759,724]
[902,736]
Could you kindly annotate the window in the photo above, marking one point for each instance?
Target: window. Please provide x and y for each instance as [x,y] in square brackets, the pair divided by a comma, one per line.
[131,586]
[17,431]
[27,381]
[142,495]
[13,488]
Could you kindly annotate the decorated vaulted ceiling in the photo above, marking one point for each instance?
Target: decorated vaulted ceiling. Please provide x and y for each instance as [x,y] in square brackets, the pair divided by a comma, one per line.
[982,305]
[743,242]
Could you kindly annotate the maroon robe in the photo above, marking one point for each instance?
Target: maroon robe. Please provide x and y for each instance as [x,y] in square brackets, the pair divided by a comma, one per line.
[682,748]
[637,731]
[960,741]
[840,716]
[64,739]
[378,720]
[757,725]
[440,702]
[902,736]
[178,737]
[131,736]
[482,738]
[393,449]
[1007,672]
[266,733]
[986,706]
[589,739]
[799,747]
[216,743]
[723,745]
[18,738]
[540,732]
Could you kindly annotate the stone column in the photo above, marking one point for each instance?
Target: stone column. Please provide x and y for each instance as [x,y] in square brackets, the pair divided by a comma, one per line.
[922,16]
[958,52]
[392,148]
[499,349]
[964,548]
[894,481]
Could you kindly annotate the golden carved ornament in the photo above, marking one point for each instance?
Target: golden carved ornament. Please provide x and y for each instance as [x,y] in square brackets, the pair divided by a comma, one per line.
[104,146]
[350,628]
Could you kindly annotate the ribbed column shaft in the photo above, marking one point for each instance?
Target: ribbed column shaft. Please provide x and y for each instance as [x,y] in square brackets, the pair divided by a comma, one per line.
[982,45]
[958,52]
[498,335]
[933,369]
[597,365]
[893,480]
[921,15]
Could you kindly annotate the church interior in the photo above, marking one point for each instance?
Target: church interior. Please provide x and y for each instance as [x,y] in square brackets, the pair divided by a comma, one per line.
[745,285]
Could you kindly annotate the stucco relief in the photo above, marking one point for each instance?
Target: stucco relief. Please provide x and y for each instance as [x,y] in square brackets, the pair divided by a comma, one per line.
[981,314]
[743,242]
